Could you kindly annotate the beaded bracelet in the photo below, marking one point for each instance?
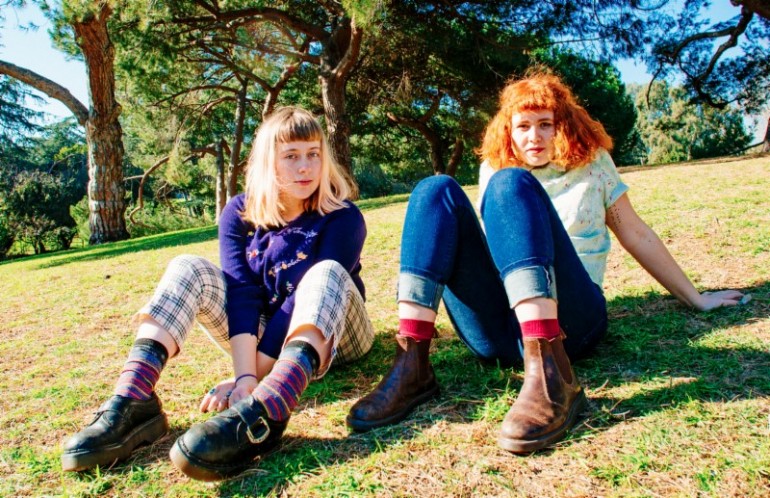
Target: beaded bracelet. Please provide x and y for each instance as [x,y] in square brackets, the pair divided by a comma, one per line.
[244,375]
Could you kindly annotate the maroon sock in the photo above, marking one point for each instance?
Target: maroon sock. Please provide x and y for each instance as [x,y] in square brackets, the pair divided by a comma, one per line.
[541,329]
[419,330]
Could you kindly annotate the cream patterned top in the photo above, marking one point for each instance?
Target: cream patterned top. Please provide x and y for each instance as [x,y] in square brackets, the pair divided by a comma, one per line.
[581,197]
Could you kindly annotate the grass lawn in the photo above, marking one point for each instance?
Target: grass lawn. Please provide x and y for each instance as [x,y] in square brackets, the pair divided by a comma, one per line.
[679,400]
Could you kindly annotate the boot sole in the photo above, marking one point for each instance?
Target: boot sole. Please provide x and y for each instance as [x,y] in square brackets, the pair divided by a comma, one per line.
[523,446]
[359,425]
[205,471]
[196,469]
[145,434]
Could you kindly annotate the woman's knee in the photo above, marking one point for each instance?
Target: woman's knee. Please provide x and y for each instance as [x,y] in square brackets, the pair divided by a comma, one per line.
[327,267]
[508,182]
[188,263]
[434,187]
[327,277]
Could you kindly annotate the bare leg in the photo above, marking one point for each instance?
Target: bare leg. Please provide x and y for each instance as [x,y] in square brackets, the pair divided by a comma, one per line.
[150,329]
[538,308]
[414,311]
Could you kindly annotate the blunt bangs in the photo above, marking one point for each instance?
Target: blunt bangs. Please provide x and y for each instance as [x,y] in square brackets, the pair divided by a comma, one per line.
[298,127]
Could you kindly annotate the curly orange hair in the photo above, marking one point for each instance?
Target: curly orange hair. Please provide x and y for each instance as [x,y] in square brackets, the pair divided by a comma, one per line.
[577,138]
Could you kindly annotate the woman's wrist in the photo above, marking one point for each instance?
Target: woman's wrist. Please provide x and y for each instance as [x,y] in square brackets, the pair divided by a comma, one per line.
[244,349]
[245,376]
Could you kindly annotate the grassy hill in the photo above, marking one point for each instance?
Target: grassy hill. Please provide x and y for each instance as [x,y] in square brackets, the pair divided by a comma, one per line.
[679,400]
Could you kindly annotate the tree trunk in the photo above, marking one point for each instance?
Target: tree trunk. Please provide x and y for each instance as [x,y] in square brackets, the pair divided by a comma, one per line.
[337,121]
[339,56]
[221,189]
[766,142]
[435,142]
[234,169]
[457,154]
[104,136]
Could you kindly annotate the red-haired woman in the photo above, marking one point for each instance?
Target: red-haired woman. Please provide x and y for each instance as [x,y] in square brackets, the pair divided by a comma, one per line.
[527,287]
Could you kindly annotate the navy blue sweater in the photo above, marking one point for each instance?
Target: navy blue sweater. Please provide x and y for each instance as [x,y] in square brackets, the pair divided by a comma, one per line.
[262,267]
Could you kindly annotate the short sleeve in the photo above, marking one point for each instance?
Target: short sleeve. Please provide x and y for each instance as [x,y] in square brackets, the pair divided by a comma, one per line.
[610,178]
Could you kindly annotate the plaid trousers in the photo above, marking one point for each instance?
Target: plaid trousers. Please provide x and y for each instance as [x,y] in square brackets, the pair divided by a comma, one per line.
[193,289]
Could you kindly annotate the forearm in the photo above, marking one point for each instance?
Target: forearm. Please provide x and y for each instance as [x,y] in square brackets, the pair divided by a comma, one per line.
[655,258]
[244,350]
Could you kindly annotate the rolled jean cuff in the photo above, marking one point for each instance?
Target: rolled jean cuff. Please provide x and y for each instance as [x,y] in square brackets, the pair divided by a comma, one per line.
[530,282]
[419,290]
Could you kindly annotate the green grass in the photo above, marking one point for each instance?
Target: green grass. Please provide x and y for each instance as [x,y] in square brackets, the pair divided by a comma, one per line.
[679,400]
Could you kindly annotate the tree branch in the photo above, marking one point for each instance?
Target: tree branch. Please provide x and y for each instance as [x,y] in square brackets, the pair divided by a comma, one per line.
[198,152]
[276,15]
[48,87]
[350,58]
[195,89]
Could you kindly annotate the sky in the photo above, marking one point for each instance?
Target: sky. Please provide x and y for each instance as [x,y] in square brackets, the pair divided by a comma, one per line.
[33,50]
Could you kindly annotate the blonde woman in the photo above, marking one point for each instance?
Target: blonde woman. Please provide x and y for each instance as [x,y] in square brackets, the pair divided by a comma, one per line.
[287,302]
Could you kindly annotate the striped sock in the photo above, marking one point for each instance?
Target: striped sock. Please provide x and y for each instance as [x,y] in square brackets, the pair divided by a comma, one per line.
[279,392]
[142,369]
[541,329]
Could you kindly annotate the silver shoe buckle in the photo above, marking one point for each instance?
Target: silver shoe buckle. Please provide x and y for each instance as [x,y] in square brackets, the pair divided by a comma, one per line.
[260,439]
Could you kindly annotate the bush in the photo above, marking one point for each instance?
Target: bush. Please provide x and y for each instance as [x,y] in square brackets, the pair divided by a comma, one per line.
[79,213]
[372,181]
[159,218]
[155,218]
[6,238]
[35,210]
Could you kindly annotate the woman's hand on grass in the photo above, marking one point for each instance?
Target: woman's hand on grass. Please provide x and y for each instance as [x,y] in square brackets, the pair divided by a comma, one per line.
[711,300]
[217,398]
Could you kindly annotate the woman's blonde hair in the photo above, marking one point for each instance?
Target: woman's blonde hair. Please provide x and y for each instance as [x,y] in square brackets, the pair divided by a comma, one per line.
[263,207]
[577,135]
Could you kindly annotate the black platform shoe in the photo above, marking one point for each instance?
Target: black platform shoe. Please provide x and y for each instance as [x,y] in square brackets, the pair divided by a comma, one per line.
[226,444]
[120,426]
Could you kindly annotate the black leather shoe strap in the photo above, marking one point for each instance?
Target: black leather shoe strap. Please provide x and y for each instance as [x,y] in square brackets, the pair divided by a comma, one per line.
[253,415]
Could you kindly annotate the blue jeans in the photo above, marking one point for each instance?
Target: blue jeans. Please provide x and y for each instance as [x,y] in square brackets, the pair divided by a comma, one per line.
[526,253]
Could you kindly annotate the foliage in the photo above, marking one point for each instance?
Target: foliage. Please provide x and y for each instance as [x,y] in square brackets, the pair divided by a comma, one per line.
[44,176]
[17,120]
[720,63]
[672,129]
[413,102]
[691,47]
[161,218]
[34,207]
[157,217]
[423,106]
[374,182]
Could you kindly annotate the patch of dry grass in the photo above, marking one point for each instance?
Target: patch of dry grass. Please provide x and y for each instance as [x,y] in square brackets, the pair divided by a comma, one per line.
[679,399]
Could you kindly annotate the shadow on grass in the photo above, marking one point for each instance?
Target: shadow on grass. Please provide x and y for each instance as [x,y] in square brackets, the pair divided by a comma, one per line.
[113,249]
[652,339]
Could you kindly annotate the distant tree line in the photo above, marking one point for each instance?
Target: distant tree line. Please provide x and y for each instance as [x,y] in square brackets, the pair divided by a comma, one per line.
[404,88]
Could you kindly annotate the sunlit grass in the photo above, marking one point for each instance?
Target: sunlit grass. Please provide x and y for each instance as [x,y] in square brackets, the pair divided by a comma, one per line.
[678,399]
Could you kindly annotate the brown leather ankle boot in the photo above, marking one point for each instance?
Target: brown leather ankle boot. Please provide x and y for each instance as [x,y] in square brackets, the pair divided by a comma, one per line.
[409,383]
[549,401]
